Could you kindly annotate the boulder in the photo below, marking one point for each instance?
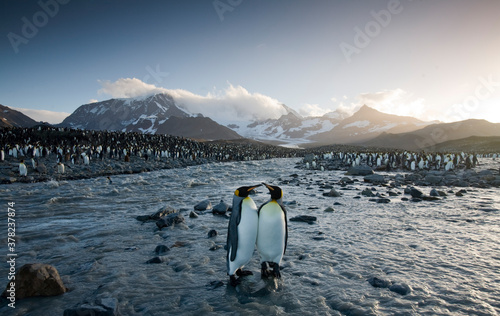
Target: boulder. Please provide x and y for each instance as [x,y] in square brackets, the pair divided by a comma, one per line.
[433,179]
[203,205]
[212,233]
[332,193]
[169,220]
[360,171]
[416,193]
[220,209]
[100,307]
[367,192]
[162,212]
[377,282]
[303,218]
[402,288]
[37,279]
[160,249]
[375,178]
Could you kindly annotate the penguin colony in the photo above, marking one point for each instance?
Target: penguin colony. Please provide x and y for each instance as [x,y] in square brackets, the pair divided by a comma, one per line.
[60,148]
[265,227]
[81,147]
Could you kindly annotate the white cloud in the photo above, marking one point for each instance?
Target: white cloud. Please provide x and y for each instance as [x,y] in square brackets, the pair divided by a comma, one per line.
[233,104]
[93,101]
[312,110]
[127,88]
[44,115]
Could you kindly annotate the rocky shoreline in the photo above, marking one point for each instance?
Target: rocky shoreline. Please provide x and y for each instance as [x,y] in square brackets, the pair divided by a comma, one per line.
[47,170]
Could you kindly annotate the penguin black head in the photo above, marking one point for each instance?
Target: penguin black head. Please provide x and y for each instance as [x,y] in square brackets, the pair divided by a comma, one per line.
[276,192]
[245,191]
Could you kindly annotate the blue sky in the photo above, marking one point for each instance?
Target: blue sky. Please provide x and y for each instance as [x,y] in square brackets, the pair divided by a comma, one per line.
[430,59]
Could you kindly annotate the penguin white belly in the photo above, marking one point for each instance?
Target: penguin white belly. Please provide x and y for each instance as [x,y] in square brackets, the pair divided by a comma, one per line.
[272,232]
[247,235]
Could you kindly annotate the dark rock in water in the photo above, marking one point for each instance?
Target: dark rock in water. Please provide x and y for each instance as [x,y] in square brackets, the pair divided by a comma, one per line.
[376,282]
[212,233]
[319,238]
[380,200]
[430,198]
[402,289]
[360,171]
[215,284]
[375,178]
[332,193]
[215,247]
[179,244]
[203,205]
[442,193]
[37,279]
[143,218]
[392,193]
[159,259]
[416,200]
[304,218]
[220,209]
[416,193]
[160,249]
[100,307]
[404,199]
[193,215]
[434,192]
[157,215]
[367,192]
[329,209]
[170,220]
[433,179]
[163,212]
[407,190]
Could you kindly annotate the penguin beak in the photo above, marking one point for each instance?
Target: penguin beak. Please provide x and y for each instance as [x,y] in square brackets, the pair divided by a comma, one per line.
[268,186]
[254,187]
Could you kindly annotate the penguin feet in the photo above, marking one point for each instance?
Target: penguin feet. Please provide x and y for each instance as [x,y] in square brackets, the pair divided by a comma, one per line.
[233,280]
[264,273]
[276,270]
[241,273]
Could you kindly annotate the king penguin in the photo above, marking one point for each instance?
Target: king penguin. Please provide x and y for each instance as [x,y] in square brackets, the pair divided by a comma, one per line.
[272,235]
[241,233]
[23,171]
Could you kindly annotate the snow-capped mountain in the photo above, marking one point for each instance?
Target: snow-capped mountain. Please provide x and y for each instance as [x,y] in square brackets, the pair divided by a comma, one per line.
[150,114]
[366,124]
[290,129]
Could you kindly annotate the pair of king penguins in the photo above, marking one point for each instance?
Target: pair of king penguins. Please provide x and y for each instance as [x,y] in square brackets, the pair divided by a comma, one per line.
[266,226]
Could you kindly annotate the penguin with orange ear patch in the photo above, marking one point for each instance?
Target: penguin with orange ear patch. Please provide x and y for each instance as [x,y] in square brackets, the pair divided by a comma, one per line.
[241,233]
[272,236]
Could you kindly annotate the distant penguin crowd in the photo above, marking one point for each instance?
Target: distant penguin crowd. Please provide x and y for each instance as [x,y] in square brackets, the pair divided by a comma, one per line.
[396,160]
[64,147]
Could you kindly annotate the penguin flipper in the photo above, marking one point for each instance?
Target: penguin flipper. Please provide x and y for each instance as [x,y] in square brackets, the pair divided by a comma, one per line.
[286,225]
[232,236]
